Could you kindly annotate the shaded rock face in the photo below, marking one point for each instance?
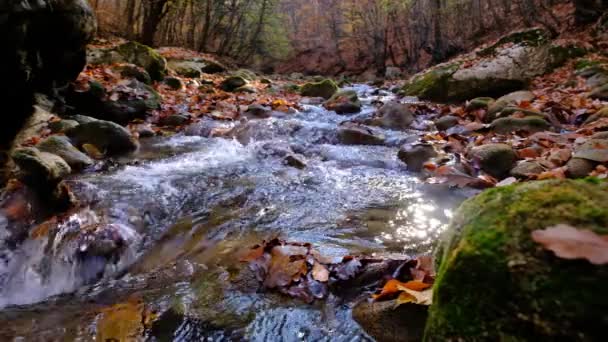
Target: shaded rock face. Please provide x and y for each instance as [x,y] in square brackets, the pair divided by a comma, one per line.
[43,48]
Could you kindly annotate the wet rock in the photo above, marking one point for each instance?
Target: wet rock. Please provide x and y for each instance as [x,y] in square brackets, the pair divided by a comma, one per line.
[490,242]
[61,126]
[295,161]
[593,149]
[495,159]
[446,122]
[258,111]
[133,71]
[266,81]
[415,155]
[388,322]
[344,102]
[512,124]
[353,134]
[173,83]
[61,146]
[325,89]
[579,168]
[602,113]
[145,131]
[526,169]
[190,69]
[107,136]
[174,120]
[393,115]
[133,53]
[597,80]
[232,83]
[479,103]
[40,168]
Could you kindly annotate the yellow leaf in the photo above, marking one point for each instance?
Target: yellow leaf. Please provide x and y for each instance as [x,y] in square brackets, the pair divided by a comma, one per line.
[421,297]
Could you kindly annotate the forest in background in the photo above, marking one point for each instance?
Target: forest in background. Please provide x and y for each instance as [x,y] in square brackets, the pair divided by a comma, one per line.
[328,36]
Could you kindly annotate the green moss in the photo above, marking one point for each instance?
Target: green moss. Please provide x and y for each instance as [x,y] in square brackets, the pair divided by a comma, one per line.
[432,84]
[496,283]
[145,57]
[585,63]
[529,37]
[561,54]
[325,89]
[528,124]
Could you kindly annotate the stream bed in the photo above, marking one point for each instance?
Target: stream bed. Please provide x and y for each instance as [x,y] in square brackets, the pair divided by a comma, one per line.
[177,214]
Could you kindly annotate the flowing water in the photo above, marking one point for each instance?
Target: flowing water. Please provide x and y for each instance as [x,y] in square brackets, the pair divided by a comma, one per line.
[154,256]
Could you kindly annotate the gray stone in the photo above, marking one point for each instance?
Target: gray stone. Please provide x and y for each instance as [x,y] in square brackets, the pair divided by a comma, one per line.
[414,156]
[393,115]
[353,134]
[40,168]
[512,124]
[446,122]
[579,168]
[108,137]
[61,146]
[61,126]
[526,169]
[344,102]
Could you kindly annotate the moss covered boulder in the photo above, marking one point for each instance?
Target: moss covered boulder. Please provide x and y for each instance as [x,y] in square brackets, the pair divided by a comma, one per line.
[133,53]
[325,89]
[61,146]
[40,168]
[508,65]
[496,283]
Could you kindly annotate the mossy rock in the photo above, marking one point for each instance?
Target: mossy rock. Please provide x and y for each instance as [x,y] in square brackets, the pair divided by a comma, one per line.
[325,89]
[40,168]
[61,126]
[145,57]
[432,84]
[495,159]
[582,64]
[107,136]
[496,283]
[527,37]
[133,71]
[344,102]
[530,124]
[480,103]
[560,54]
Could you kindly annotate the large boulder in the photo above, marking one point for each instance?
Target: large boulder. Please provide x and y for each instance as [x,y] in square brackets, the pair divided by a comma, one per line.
[233,83]
[495,282]
[43,48]
[106,136]
[508,65]
[325,89]
[133,53]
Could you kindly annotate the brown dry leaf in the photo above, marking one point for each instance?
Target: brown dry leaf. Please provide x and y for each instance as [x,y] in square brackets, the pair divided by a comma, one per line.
[405,298]
[568,242]
[320,273]
[420,297]
[282,269]
[558,173]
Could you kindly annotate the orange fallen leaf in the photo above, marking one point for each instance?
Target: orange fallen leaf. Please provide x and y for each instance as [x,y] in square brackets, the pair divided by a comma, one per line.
[394,286]
[568,242]
[320,272]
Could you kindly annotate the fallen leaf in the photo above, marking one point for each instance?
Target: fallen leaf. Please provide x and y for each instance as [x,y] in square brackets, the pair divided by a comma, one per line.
[395,286]
[320,272]
[420,297]
[568,242]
